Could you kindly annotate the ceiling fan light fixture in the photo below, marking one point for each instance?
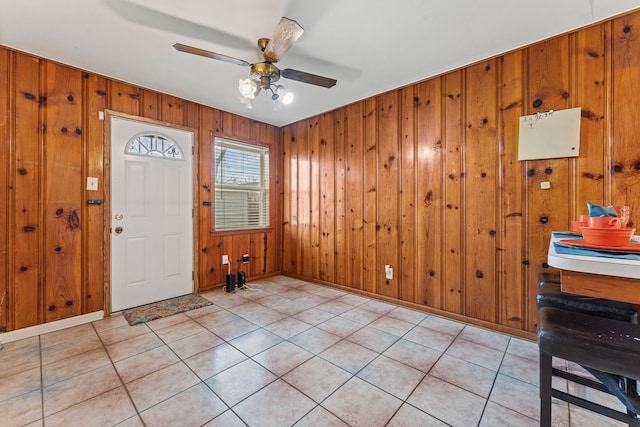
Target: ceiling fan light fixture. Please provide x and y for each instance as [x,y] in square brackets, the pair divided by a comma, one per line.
[248,88]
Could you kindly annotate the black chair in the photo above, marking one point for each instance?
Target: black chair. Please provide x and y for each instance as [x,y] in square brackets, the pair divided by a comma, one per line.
[550,295]
[607,347]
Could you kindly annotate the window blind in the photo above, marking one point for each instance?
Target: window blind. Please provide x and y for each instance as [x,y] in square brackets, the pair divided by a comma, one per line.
[241,185]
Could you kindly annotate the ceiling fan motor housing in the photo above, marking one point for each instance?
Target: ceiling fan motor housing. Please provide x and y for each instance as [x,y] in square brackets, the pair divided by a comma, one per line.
[264,71]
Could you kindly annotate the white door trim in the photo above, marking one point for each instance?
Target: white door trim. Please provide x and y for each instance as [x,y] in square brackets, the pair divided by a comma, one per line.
[107,198]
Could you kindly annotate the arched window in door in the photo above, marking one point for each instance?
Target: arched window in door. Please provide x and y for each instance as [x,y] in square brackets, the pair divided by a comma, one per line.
[154,145]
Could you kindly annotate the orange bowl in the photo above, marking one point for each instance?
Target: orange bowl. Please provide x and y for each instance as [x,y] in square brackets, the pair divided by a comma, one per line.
[575,225]
[607,236]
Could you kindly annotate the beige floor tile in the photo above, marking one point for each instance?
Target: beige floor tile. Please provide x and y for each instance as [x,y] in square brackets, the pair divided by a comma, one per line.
[216,318]
[143,364]
[407,315]
[408,415]
[265,317]
[19,356]
[317,378]
[130,347]
[320,417]
[496,415]
[255,341]
[72,391]
[287,327]
[165,322]
[360,315]
[194,344]
[520,368]
[447,326]
[278,404]
[315,340]
[313,316]
[379,307]
[516,395]
[123,333]
[485,337]
[192,407]
[75,365]
[210,362]
[70,348]
[391,376]
[178,331]
[227,419]
[282,358]
[21,383]
[109,408]
[234,329]
[21,410]
[358,403]
[335,307]
[116,320]
[240,381]
[392,326]
[74,333]
[161,385]
[430,338]
[466,375]
[373,339]
[476,353]
[412,354]
[340,326]
[349,356]
[134,421]
[447,402]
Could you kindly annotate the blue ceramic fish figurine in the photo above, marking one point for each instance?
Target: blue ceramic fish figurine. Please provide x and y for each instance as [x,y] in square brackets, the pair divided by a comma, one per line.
[595,210]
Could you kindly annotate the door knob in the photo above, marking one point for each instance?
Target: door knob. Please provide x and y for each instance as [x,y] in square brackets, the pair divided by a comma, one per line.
[118,230]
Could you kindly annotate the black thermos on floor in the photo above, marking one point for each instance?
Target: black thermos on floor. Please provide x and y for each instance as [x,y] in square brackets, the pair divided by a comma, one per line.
[242,279]
[231,283]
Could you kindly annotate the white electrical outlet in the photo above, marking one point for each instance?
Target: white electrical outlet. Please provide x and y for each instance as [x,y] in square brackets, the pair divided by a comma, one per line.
[225,259]
[92,183]
[388,272]
[545,185]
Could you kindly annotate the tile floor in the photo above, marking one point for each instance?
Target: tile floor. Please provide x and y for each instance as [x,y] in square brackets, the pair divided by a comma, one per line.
[283,353]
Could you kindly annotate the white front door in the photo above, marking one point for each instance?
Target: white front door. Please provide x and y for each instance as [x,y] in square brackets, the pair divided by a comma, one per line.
[151,213]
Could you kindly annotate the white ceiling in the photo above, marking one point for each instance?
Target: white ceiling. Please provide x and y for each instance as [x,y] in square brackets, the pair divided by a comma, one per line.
[369,46]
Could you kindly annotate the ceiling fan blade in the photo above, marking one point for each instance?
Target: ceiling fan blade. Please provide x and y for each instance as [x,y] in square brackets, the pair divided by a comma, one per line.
[285,35]
[152,18]
[207,54]
[313,79]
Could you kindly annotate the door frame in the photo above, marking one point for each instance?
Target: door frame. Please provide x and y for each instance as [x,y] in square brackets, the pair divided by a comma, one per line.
[108,115]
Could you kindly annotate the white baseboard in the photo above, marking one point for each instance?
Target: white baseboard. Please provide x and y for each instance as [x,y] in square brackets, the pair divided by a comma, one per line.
[32,331]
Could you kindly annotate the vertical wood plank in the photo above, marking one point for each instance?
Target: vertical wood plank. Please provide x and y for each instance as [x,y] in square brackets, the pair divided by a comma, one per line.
[63,192]
[548,210]
[150,104]
[304,258]
[95,95]
[355,193]
[387,223]
[313,140]
[327,166]
[588,53]
[5,152]
[24,275]
[480,191]
[290,201]
[510,256]
[370,177]
[124,98]
[173,110]
[407,172]
[210,268]
[340,230]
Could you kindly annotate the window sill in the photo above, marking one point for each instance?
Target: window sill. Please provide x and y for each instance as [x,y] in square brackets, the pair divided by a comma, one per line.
[241,231]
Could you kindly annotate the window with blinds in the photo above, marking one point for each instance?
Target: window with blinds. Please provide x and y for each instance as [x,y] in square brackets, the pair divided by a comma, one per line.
[241,185]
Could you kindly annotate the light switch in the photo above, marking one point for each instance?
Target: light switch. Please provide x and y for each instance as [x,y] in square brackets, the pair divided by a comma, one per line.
[92,183]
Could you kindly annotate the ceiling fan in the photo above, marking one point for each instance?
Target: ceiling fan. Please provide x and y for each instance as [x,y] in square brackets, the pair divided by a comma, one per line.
[264,74]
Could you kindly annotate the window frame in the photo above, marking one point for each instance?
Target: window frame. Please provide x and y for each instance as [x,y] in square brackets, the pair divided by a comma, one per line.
[269,182]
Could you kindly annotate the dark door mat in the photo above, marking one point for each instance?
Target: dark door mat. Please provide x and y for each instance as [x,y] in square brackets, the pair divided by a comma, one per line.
[160,309]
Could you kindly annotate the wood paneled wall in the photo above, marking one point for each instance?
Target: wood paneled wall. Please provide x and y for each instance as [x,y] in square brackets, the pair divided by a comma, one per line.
[426,178]
[52,246]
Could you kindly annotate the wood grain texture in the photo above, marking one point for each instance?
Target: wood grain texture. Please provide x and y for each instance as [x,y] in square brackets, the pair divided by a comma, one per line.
[63,188]
[599,286]
[5,150]
[433,186]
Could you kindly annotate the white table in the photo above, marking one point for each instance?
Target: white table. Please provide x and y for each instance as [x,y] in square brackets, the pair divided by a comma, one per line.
[602,277]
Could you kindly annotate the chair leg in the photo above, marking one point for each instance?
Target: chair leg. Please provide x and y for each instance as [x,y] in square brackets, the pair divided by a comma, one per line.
[546,384]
